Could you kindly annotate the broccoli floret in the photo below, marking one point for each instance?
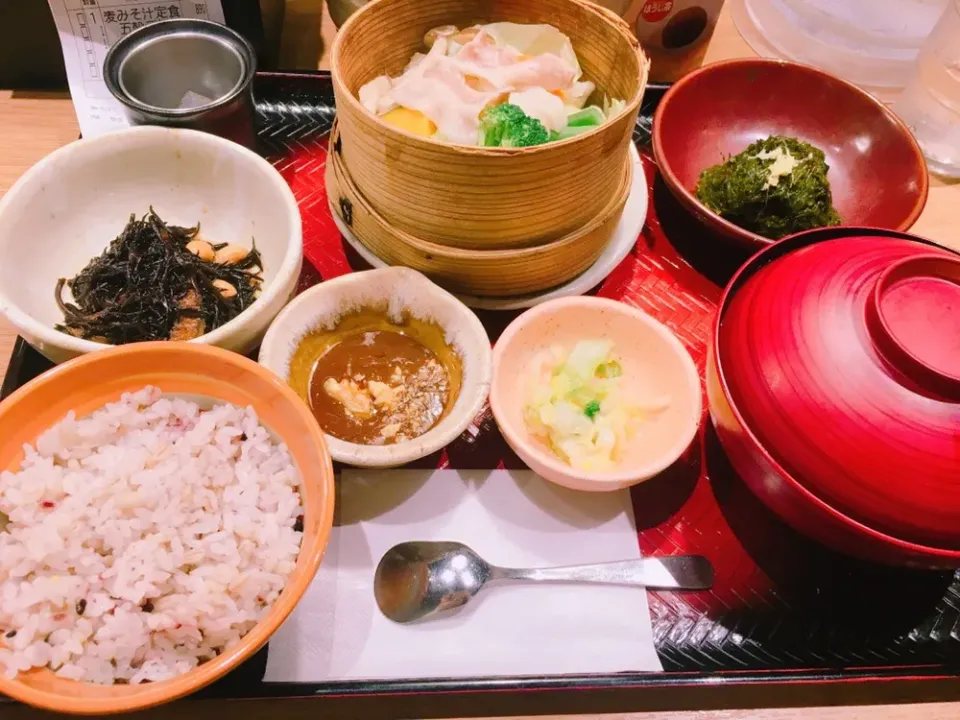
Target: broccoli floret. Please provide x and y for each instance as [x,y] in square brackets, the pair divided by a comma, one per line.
[507,125]
[494,119]
[530,132]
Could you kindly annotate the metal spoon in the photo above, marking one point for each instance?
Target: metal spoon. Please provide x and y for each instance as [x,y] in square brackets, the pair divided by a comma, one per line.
[415,580]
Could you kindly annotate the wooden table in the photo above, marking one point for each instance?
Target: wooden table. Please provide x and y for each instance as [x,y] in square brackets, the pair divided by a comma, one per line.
[32,125]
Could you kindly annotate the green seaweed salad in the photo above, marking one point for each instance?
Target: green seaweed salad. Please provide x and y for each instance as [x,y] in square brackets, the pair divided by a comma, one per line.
[774,188]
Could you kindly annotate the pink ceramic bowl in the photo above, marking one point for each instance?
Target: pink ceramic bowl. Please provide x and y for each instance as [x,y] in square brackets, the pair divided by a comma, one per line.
[655,364]
[877,172]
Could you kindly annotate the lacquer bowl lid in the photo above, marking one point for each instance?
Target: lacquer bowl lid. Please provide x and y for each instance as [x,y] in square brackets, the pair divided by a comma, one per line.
[843,358]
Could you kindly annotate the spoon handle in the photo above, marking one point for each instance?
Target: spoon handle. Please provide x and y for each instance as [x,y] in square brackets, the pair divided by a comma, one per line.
[680,572]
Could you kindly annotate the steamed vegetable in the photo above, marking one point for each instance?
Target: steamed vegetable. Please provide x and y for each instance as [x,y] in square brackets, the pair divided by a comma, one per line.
[577,407]
[445,92]
[412,121]
[507,125]
[580,122]
[612,106]
[588,117]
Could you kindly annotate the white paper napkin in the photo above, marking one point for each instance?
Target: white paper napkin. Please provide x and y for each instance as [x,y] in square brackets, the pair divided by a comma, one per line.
[510,518]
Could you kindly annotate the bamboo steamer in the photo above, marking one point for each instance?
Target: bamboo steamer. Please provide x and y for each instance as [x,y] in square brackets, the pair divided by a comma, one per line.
[474,197]
[490,273]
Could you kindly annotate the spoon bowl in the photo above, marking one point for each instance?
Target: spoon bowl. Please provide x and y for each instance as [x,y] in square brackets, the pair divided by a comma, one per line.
[417,579]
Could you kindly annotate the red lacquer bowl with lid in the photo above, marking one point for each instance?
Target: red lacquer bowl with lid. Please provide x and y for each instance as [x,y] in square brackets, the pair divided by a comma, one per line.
[834,385]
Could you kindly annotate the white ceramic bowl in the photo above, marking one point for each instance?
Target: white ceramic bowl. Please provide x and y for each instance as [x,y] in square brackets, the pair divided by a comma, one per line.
[67,208]
[405,290]
[655,365]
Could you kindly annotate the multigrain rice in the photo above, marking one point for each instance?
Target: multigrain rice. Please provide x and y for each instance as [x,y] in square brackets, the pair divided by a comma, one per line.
[143,539]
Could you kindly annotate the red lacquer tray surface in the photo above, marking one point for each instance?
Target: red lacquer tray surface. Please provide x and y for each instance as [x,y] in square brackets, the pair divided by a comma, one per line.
[766,574]
[781,608]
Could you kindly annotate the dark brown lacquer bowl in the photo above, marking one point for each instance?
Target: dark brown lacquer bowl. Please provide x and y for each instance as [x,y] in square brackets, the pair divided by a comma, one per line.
[877,172]
[834,385]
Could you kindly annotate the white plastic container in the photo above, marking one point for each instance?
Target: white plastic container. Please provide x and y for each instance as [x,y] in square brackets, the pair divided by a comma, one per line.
[872,43]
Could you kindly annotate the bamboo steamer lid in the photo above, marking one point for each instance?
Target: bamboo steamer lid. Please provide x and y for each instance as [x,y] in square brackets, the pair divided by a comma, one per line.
[474,197]
[485,273]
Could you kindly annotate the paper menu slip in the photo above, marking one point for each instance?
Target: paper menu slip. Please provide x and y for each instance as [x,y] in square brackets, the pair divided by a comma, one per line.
[88,28]
[509,518]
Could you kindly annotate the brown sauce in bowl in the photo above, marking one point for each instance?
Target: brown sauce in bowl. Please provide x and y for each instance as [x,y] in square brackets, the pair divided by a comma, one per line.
[375,381]
[378,387]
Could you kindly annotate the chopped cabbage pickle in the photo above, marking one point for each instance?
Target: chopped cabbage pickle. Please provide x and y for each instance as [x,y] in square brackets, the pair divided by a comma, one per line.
[577,409]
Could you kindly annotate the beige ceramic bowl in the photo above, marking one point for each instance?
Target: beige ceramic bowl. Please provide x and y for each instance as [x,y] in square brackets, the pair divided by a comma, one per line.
[403,290]
[655,364]
[90,382]
[67,208]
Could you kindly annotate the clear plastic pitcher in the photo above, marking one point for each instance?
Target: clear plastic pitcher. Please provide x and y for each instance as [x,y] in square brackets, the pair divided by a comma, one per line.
[930,103]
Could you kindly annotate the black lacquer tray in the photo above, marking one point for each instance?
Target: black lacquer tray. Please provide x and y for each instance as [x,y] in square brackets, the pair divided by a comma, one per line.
[784,614]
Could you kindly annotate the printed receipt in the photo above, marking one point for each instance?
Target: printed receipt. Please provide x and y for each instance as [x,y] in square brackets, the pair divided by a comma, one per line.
[88,28]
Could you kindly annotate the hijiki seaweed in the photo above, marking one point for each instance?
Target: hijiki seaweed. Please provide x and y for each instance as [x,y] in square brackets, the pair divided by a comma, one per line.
[159,282]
